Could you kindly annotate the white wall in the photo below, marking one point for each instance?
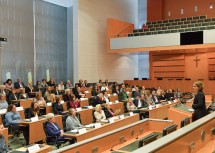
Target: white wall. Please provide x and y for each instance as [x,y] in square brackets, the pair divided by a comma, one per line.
[93,61]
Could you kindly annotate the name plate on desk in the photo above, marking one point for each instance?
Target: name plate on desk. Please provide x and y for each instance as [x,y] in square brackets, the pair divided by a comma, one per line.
[34,148]
[116,101]
[111,120]
[131,113]
[90,107]
[121,117]
[34,119]
[83,99]
[114,94]
[110,103]
[19,108]
[86,91]
[78,109]
[62,102]
[3,111]
[97,125]
[81,131]
[108,95]
[49,104]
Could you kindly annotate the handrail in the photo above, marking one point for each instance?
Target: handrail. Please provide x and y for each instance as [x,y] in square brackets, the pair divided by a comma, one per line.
[123,30]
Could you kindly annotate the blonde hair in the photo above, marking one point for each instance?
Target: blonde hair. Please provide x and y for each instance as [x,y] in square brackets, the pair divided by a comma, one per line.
[98,107]
[199,84]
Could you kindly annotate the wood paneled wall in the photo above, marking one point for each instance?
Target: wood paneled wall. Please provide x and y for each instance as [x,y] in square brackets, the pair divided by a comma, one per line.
[168,65]
[211,65]
[175,6]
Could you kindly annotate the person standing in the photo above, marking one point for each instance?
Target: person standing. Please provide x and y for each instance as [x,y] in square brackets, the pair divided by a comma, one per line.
[199,101]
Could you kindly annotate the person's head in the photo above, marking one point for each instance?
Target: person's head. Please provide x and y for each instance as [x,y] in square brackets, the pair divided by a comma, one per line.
[68,81]
[38,83]
[72,112]
[57,87]
[44,80]
[2,87]
[143,87]
[11,108]
[48,88]
[100,95]
[117,87]
[107,106]
[100,81]
[80,81]
[52,97]
[58,99]
[98,108]
[198,86]
[153,92]
[34,105]
[67,91]
[2,97]
[38,96]
[130,100]
[105,93]
[95,87]
[85,81]
[106,80]
[18,80]
[50,117]
[13,91]
[51,80]
[73,98]
[9,81]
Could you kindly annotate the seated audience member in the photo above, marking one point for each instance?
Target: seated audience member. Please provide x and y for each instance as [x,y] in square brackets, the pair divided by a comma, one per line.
[9,85]
[99,100]
[53,129]
[106,98]
[154,97]
[67,96]
[33,110]
[107,83]
[86,83]
[76,91]
[3,90]
[161,96]
[58,107]
[44,84]
[109,112]
[29,88]
[51,82]
[38,87]
[13,96]
[3,145]
[130,105]
[39,100]
[100,82]
[57,90]
[83,89]
[104,87]
[80,82]
[74,103]
[124,95]
[135,92]
[178,93]
[143,90]
[19,84]
[169,95]
[13,118]
[149,99]
[3,102]
[122,88]
[116,90]
[68,84]
[144,26]
[95,91]
[23,95]
[61,85]
[140,102]
[72,121]
[47,94]
[52,98]
[99,113]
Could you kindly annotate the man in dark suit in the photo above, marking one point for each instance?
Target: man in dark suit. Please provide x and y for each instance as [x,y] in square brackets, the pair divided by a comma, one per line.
[155,97]
[13,96]
[19,84]
[99,99]
[57,91]
[140,102]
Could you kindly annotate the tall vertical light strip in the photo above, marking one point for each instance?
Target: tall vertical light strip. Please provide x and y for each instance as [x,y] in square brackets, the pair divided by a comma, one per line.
[35,58]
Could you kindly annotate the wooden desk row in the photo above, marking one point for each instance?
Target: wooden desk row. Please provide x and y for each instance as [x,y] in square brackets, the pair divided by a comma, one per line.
[195,137]
[104,128]
[112,139]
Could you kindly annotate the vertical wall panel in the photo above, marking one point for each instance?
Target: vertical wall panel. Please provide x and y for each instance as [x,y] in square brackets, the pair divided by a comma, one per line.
[50,40]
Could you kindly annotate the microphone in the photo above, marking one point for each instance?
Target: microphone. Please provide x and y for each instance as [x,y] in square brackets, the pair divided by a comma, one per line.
[116,144]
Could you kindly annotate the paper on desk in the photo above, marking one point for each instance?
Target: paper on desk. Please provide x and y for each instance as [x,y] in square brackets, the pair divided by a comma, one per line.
[23,149]
[105,121]
[89,125]
[75,131]
[190,109]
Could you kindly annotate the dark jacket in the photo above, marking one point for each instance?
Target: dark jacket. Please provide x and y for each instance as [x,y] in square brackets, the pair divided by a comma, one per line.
[199,106]
[53,131]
